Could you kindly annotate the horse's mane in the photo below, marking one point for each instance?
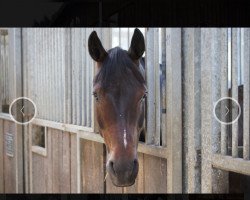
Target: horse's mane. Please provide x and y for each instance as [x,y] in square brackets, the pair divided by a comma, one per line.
[117,67]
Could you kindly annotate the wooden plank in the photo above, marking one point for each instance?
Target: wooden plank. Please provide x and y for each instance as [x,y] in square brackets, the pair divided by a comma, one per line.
[1,75]
[111,189]
[1,157]
[5,116]
[228,163]
[224,86]
[78,163]
[30,159]
[191,100]
[138,187]
[155,171]
[39,150]
[206,118]
[92,154]
[60,126]
[153,150]
[86,133]
[48,165]
[73,163]
[235,67]
[174,110]
[38,183]
[9,162]
[246,96]
[65,165]
[56,144]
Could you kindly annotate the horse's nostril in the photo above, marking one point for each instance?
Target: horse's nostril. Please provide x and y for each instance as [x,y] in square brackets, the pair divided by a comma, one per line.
[111,164]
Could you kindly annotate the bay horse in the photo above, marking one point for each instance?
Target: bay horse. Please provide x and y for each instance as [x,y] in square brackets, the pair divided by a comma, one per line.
[120,90]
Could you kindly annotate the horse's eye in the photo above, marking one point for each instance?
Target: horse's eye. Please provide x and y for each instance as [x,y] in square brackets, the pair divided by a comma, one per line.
[96,96]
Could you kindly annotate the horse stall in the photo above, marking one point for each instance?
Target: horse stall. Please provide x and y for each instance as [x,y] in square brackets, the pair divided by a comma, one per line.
[185,149]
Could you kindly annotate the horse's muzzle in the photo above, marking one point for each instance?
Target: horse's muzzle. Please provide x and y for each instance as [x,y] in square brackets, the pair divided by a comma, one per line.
[123,172]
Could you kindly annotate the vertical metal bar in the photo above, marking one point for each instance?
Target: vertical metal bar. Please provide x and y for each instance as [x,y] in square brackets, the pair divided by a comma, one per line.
[246,96]
[53,71]
[219,177]
[46,66]
[235,68]
[156,66]
[89,85]
[174,110]
[192,104]
[224,86]
[62,72]
[216,87]
[128,38]
[73,76]
[206,118]
[60,69]
[81,70]
[84,76]
[163,88]
[68,83]
[88,89]
[42,88]
[77,73]
[151,86]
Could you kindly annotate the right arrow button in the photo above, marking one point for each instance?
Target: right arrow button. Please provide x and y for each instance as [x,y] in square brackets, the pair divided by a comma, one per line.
[227,110]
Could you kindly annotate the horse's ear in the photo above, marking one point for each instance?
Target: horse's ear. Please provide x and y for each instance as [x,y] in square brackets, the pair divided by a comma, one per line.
[96,50]
[137,46]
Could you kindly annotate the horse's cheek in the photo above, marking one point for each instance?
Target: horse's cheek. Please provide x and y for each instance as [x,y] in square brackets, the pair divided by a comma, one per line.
[99,120]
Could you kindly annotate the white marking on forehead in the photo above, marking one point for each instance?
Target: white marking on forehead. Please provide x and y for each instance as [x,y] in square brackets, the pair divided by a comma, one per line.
[125,138]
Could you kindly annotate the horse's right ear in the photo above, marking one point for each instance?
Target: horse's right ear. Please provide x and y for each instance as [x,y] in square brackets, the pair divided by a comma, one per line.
[96,50]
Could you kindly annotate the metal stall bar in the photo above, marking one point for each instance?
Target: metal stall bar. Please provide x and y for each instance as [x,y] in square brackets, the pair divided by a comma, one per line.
[151,86]
[235,68]
[246,97]
[163,88]
[206,108]
[224,86]
[174,110]
[156,66]
[191,102]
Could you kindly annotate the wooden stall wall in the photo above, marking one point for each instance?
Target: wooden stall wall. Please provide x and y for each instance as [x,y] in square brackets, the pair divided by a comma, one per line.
[55,172]
[11,146]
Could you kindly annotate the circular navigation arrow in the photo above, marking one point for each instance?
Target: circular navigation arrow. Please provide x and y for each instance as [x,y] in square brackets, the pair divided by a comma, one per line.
[22,110]
[227,110]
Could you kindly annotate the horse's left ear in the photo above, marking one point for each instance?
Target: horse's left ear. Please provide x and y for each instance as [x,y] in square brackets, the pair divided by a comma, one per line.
[137,46]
